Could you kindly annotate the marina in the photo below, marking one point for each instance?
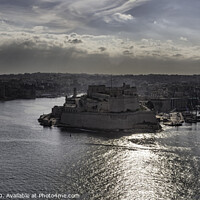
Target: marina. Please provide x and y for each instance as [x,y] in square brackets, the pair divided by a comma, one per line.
[178,118]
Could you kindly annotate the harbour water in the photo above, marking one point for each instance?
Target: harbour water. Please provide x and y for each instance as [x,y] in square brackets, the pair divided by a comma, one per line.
[34,159]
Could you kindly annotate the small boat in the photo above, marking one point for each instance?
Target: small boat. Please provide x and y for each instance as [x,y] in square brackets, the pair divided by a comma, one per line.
[45,120]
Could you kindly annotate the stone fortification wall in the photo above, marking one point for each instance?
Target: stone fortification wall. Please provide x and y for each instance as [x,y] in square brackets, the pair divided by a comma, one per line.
[95,89]
[113,104]
[108,120]
[123,104]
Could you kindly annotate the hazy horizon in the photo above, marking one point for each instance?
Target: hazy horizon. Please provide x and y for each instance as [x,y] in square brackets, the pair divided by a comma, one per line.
[100,37]
[100,74]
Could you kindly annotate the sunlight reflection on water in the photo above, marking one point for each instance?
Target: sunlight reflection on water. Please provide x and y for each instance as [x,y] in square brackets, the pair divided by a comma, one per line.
[163,165]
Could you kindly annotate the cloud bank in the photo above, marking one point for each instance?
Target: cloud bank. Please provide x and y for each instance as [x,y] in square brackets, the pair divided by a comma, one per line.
[108,36]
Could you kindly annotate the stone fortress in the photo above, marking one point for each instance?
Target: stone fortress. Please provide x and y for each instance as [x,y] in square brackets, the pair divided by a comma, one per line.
[100,98]
[106,108]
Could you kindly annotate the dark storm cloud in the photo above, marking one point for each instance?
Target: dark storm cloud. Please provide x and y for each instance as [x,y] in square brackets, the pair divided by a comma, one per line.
[75,41]
[26,56]
[102,49]
[178,55]
[99,36]
[127,52]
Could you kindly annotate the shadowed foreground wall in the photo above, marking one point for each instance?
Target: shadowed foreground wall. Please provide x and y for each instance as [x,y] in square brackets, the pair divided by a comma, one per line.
[109,120]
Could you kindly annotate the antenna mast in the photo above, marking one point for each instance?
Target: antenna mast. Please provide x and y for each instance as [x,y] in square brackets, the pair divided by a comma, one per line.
[111,81]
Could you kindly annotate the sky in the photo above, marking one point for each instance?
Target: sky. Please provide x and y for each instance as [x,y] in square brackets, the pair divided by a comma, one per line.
[100,36]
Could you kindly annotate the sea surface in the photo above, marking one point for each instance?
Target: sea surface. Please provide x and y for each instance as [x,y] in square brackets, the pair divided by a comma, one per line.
[142,166]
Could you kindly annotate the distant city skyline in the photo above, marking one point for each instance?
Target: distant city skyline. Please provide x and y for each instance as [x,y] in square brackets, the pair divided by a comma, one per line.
[106,37]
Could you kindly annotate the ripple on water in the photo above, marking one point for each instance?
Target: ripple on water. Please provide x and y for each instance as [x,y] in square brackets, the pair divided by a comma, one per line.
[140,166]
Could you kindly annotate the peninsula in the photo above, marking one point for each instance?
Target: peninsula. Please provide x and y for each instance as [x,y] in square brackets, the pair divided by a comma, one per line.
[103,108]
